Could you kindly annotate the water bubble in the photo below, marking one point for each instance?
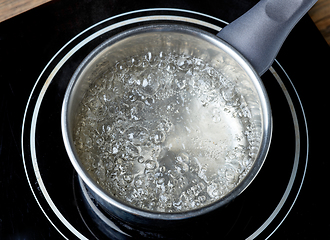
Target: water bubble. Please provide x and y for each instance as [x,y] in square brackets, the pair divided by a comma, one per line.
[128,178]
[162,56]
[228,93]
[159,137]
[161,181]
[150,164]
[139,181]
[151,178]
[181,167]
[213,190]
[95,106]
[116,147]
[230,175]
[137,135]
[137,110]
[202,198]
[162,169]
[150,83]
[171,67]
[105,127]
[181,181]
[211,71]
[184,63]
[181,80]
[198,64]
[105,96]
[122,67]
[99,142]
[132,151]
[136,61]
[140,159]
[177,205]
[155,152]
[183,157]
[164,125]
[162,64]
[152,59]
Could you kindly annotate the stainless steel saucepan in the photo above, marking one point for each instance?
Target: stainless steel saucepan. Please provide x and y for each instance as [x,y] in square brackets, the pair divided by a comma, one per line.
[240,53]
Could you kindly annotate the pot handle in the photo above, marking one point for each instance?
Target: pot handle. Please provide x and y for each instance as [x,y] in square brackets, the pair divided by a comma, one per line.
[259,34]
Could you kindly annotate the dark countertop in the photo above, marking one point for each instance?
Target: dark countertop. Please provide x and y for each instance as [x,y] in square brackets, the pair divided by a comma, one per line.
[28,42]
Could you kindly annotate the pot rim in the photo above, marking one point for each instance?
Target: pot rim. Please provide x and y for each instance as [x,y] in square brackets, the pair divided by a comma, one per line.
[266,124]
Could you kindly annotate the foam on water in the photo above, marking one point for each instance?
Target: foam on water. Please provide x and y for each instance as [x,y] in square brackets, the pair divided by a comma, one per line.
[167,133]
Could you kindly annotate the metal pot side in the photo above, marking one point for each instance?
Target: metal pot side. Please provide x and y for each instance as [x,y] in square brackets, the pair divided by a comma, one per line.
[166,38]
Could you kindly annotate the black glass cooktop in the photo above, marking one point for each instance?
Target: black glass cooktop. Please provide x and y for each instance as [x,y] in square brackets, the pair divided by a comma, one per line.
[41,195]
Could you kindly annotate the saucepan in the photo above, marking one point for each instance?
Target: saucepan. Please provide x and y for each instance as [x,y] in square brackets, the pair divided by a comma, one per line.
[167,122]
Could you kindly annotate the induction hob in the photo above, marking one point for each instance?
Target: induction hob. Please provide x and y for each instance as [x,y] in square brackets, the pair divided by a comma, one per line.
[40,51]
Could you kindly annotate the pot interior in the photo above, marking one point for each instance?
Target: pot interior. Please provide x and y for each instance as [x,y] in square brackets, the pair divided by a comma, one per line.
[166,118]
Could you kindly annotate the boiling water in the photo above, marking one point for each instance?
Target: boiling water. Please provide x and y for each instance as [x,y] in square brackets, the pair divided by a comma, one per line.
[165,132]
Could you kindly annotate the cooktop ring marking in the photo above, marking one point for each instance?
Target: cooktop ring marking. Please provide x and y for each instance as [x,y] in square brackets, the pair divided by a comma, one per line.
[296,161]
[77,47]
